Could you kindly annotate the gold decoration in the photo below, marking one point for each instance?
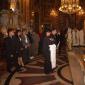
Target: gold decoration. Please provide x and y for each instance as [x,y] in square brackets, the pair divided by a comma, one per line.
[70,6]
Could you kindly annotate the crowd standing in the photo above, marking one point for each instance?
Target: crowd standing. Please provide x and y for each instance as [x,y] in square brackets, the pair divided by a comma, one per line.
[22,45]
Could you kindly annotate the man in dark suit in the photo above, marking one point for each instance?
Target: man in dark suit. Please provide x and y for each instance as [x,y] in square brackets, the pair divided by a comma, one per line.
[11,51]
[56,36]
[47,42]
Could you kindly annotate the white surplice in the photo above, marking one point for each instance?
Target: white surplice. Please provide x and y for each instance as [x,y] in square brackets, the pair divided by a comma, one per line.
[53,55]
[75,36]
[81,37]
[69,39]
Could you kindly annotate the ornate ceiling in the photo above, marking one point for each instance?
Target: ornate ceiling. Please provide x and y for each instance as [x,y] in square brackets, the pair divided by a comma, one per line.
[42,9]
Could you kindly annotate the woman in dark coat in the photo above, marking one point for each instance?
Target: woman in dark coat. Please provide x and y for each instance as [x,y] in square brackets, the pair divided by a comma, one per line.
[26,45]
[19,48]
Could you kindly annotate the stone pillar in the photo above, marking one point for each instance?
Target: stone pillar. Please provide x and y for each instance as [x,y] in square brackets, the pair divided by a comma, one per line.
[24,7]
[27,11]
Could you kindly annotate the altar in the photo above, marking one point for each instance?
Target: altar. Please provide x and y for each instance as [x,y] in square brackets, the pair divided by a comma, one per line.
[9,18]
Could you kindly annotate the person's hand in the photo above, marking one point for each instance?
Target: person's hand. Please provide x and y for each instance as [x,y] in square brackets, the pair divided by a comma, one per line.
[26,46]
[11,55]
[21,49]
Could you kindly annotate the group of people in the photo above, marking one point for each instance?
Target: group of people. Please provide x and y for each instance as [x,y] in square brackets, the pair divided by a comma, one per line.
[75,37]
[21,45]
[19,48]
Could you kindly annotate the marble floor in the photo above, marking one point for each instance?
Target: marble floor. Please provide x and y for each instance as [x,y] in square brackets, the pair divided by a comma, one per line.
[33,73]
[76,63]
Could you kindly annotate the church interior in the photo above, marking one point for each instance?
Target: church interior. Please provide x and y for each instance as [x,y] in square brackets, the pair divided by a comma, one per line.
[34,16]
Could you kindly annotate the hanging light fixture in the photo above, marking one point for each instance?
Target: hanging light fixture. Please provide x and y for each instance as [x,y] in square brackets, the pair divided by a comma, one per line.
[53,13]
[70,6]
[81,12]
[13,5]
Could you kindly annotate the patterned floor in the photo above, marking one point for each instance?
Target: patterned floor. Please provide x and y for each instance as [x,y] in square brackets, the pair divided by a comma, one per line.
[77,66]
[33,74]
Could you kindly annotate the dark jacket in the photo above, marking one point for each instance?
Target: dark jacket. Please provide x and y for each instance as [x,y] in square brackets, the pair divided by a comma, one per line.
[56,38]
[46,42]
[30,37]
[10,46]
[19,46]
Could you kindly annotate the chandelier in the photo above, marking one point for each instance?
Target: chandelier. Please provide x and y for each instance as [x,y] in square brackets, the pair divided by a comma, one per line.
[81,12]
[53,13]
[13,5]
[70,6]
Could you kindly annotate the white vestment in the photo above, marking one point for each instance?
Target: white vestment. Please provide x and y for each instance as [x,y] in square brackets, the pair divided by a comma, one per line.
[69,39]
[53,55]
[81,37]
[75,38]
